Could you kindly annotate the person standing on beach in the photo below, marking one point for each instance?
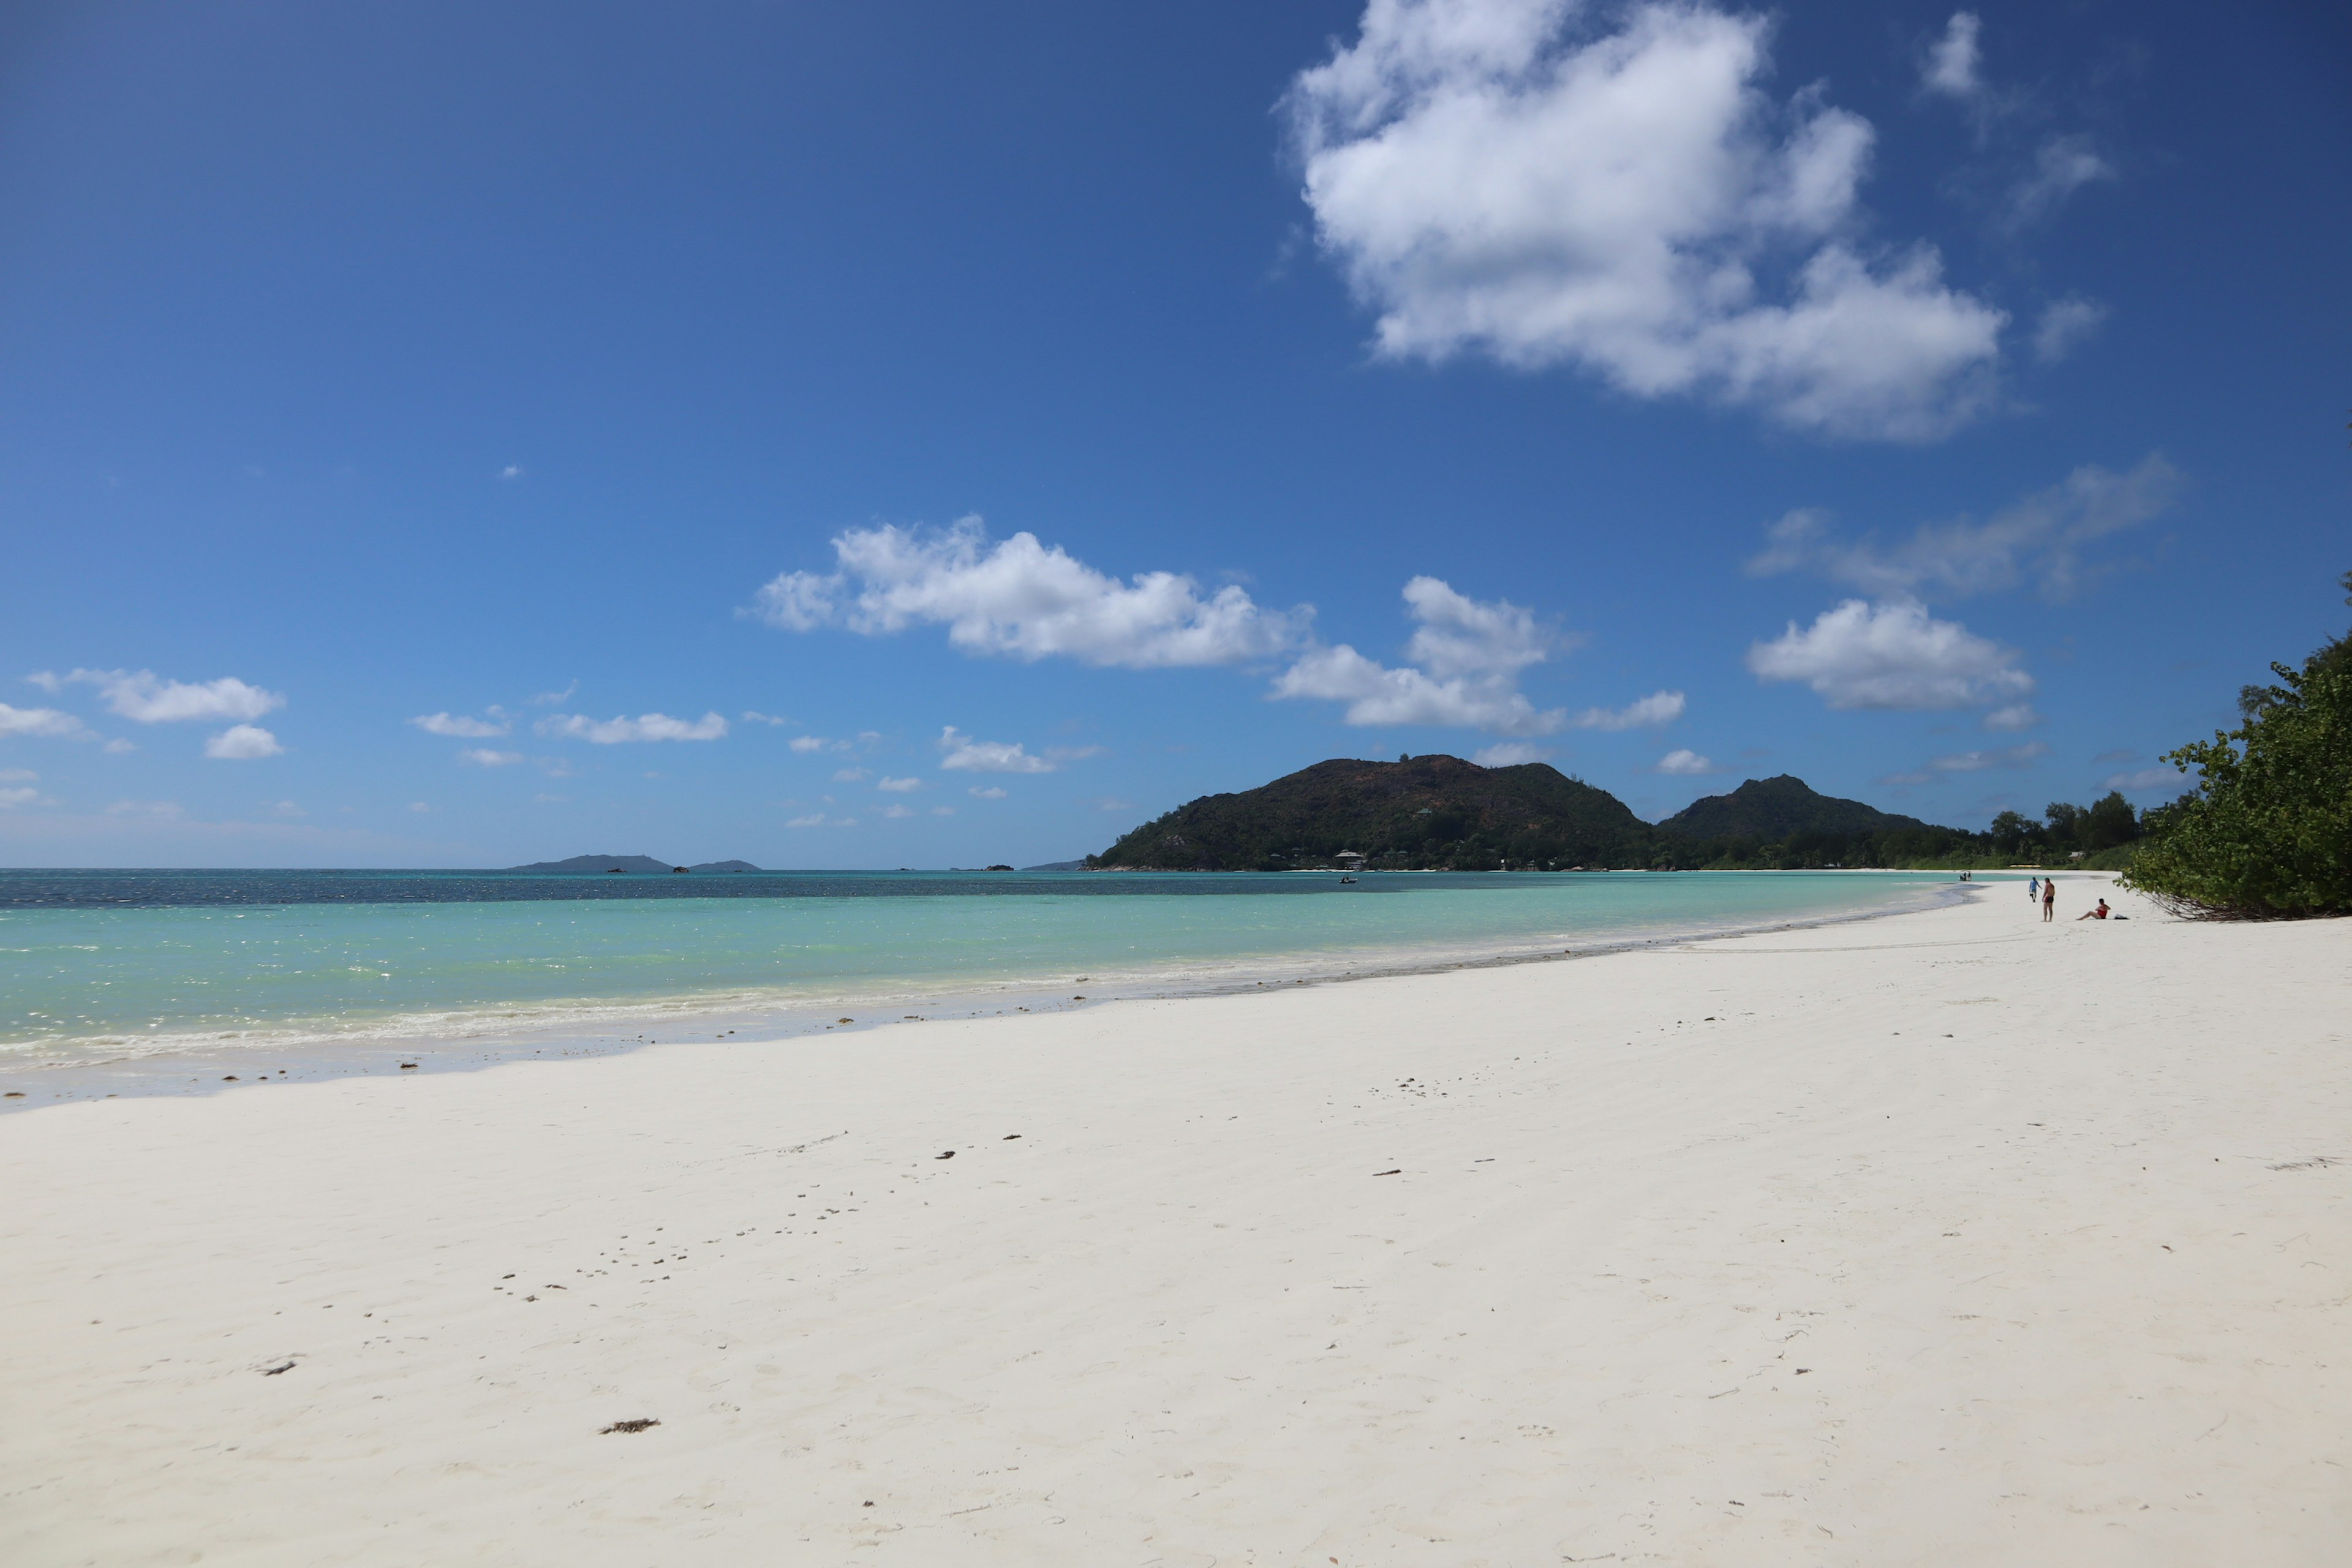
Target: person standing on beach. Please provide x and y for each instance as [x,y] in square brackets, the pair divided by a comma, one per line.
[2032,888]
[2049,901]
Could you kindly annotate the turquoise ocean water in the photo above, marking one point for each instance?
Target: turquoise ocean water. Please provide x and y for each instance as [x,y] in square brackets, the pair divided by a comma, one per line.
[123,968]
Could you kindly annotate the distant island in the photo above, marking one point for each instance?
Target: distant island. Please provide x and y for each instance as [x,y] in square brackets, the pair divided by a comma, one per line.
[605,865]
[1441,813]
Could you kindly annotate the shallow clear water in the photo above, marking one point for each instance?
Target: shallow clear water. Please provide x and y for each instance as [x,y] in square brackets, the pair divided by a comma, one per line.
[106,965]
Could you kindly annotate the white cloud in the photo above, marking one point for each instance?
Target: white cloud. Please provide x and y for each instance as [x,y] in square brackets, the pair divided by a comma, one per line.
[807,743]
[985,792]
[2064,323]
[753,716]
[548,699]
[460,726]
[851,776]
[1017,597]
[815,819]
[900,785]
[1657,710]
[1683,761]
[1953,60]
[11,798]
[156,810]
[960,751]
[38,721]
[241,743]
[117,746]
[943,811]
[2061,165]
[511,471]
[17,775]
[419,806]
[147,698]
[1971,762]
[483,757]
[286,808]
[2016,716]
[1500,176]
[1507,755]
[895,810]
[644,726]
[2166,778]
[1862,655]
[1468,655]
[2042,535]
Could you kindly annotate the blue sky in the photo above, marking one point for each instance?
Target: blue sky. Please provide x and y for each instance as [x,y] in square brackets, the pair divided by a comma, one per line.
[919,435]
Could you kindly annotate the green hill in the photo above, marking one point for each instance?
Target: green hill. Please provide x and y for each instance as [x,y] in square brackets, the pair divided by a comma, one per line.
[1775,808]
[1428,812]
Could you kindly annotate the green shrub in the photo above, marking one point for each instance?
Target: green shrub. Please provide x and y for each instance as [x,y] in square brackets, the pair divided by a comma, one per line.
[2268,831]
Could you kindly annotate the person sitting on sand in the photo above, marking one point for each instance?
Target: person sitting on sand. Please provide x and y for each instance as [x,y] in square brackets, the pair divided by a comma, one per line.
[2098,914]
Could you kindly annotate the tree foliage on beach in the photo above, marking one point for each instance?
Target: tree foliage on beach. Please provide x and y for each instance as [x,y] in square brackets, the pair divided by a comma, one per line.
[2267,832]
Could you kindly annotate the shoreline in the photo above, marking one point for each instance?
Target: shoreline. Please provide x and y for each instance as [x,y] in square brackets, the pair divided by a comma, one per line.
[1950,1237]
[470,1042]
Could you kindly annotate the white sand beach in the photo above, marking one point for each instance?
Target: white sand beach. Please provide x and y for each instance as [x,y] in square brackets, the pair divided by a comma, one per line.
[1947,1237]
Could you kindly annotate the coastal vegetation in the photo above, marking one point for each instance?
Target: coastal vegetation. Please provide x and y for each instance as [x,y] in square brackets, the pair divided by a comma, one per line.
[2267,832]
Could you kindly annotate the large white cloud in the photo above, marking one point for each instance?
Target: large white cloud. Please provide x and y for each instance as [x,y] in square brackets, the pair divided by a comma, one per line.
[146,698]
[2041,536]
[644,726]
[1500,176]
[1862,655]
[961,752]
[1018,597]
[1467,657]
[1952,62]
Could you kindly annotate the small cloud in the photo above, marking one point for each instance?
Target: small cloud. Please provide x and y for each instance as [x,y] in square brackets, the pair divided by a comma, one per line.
[483,757]
[38,721]
[11,798]
[1507,755]
[511,471]
[17,775]
[150,810]
[753,716]
[544,799]
[852,776]
[1116,804]
[804,744]
[985,792]
[286,808]
[2149,778]
[241,743]
[419,806]
[458,726]
[1686,763]
[549,699]
[1654,711]
[899,786]
[2124,754]
[2016,716]
[943,811]
[893,811]
[2064,323]
[1954,60]
[2063,165]
[815,819]
[644,726]
[1978,761]
[117,746]
[1060,754]
[961,752]
[556,767]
